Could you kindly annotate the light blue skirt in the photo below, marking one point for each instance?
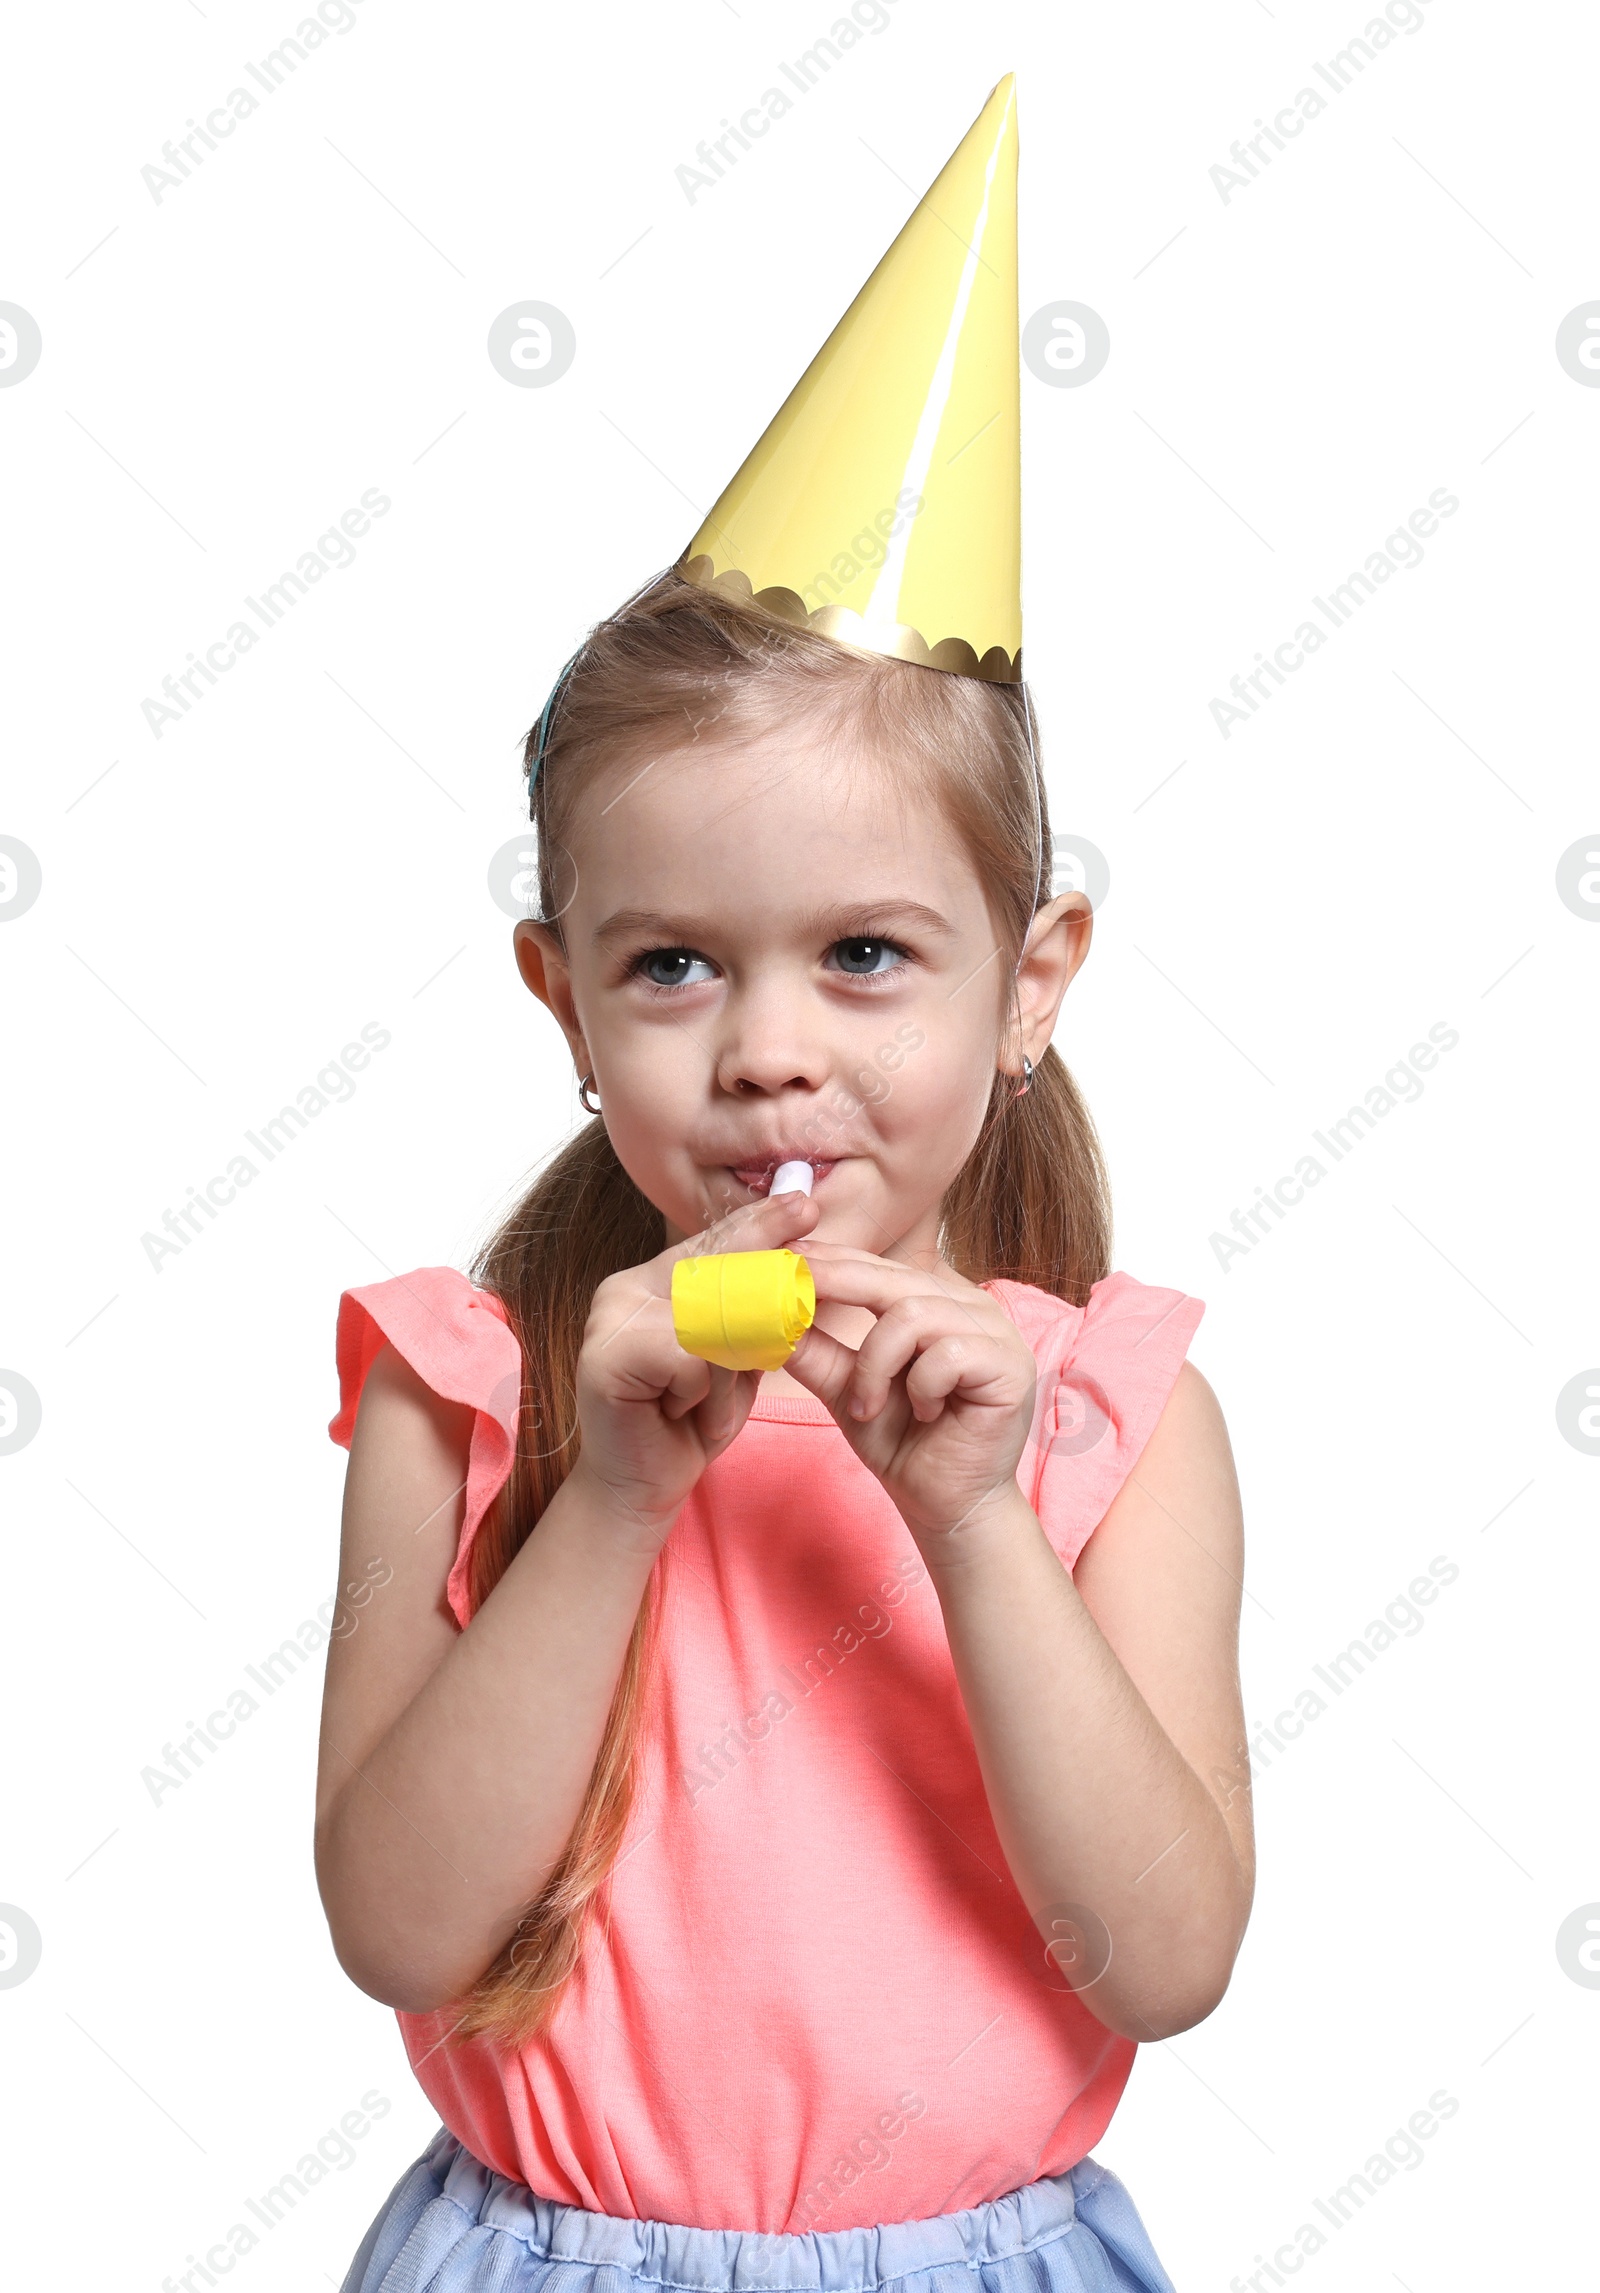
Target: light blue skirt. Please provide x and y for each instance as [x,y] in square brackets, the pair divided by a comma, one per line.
[452,2226]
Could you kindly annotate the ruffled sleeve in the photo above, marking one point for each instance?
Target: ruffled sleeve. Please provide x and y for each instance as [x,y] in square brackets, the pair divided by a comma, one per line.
[1105,1373]
[459,1342]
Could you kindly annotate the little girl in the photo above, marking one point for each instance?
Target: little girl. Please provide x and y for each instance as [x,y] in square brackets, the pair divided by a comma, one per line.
[778,1805]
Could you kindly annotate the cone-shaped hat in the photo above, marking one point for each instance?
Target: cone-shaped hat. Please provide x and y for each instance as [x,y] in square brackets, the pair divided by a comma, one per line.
[883,504]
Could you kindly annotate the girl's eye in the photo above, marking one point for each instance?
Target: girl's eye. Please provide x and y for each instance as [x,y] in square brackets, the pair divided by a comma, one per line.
[674,967]
[862,957]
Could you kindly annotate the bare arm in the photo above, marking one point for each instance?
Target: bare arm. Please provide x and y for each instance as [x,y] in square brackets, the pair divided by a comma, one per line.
[453,1764]
[1105,1711]
[1108,1723]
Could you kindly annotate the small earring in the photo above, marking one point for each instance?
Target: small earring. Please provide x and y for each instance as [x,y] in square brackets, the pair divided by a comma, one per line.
[1026,1083]
[585,1086]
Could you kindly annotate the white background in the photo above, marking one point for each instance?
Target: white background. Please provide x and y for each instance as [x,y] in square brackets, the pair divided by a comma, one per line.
[1293,370]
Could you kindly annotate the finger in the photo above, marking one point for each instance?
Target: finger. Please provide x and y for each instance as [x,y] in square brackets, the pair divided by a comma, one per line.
[686,1384]
[912,1273]
[727,1404]
[771,1224]
[951,1364]
[766,1225]
[823,1366]
[858,1279]
[909,1327]
[647,1362]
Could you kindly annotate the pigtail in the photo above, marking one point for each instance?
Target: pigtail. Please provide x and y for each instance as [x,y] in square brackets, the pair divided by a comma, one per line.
[1032,1203]
[582,1220]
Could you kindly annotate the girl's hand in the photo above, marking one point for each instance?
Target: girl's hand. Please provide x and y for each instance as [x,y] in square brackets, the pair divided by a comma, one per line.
[653,1417]
[939,1399]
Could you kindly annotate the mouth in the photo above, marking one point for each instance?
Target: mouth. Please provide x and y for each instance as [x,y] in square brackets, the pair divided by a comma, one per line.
[758,1176]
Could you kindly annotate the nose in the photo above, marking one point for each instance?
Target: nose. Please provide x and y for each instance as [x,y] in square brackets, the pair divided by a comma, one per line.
[770,1043]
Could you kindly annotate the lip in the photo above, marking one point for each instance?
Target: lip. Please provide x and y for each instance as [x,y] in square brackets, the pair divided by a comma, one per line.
[758,1174]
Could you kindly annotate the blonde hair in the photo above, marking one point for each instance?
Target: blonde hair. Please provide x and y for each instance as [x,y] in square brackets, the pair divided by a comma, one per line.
[1031,1203]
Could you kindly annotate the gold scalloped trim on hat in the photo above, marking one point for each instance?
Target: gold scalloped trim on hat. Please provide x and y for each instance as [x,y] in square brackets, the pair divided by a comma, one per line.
[897,639]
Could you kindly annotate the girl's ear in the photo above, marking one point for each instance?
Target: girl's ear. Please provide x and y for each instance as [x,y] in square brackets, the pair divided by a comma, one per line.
[1057,942]
[542,961]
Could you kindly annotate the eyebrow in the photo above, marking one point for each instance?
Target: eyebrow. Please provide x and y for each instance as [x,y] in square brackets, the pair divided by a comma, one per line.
[830,924]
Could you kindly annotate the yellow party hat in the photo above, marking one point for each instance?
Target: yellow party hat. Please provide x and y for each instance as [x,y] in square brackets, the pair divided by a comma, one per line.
[883,504]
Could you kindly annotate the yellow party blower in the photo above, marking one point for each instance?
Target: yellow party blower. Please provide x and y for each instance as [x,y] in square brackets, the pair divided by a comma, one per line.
[743,1309]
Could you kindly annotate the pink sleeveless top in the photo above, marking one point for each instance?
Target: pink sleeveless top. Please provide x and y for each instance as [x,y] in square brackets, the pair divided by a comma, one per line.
[818,2000]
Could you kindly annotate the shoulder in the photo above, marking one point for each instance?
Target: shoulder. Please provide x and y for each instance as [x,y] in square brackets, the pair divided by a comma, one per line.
[454,1338]
[1107,1371]
[1132,1331]
[1188,1448]
[430,1390]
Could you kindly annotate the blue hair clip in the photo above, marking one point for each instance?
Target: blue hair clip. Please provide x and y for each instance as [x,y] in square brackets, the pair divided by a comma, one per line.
[542,730]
